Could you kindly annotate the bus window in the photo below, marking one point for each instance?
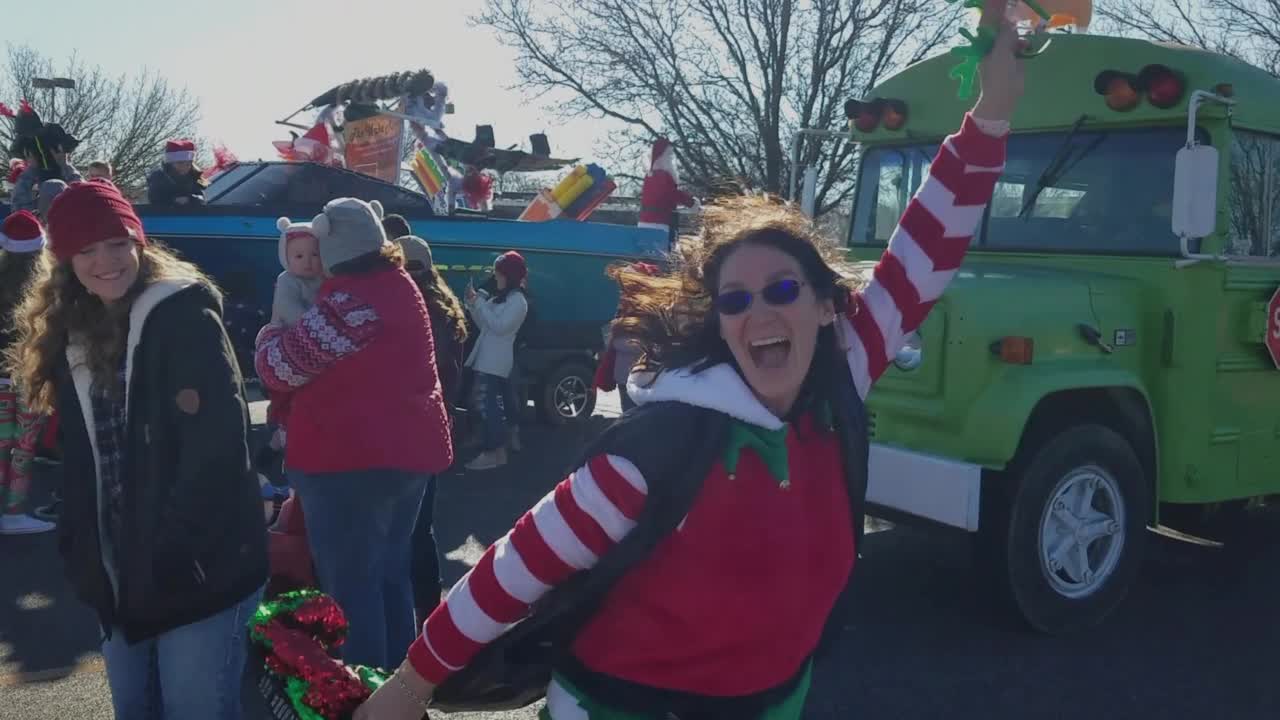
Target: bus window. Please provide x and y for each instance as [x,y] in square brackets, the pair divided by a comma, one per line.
[890,176]
[1254,229]
[1097,191]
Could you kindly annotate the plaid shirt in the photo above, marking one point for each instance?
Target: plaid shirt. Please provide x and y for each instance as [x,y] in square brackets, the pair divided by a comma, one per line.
[110,419]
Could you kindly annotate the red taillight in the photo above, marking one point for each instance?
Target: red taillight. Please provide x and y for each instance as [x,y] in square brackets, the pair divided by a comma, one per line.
[894,116]
[1014,350]
[1164,86]
[1119,89]
[867,115]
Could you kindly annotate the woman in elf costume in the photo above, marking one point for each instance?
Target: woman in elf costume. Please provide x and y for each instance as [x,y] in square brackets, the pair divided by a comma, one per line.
[758,333]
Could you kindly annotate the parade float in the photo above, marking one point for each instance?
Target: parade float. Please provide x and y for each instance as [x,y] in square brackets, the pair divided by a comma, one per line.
[384,139]
[1106,364]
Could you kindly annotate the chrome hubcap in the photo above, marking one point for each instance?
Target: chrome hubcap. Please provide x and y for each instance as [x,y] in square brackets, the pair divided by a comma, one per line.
[570,396]
[1082,532]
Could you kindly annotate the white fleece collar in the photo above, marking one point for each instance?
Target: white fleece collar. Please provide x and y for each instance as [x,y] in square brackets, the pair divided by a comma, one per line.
[719,388]
[77,353]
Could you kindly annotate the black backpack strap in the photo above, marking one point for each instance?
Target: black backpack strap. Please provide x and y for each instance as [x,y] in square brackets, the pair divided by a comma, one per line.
[674,446]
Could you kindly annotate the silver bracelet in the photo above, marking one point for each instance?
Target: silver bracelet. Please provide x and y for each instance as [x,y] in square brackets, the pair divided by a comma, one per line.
[409,691]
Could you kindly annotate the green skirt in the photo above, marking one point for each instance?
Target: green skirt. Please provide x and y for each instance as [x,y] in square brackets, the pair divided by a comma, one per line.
[570,703]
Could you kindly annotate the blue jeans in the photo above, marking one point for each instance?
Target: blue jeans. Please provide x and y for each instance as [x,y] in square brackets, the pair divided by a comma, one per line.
[491,392]
[359,527]
[426,556]
[188,673]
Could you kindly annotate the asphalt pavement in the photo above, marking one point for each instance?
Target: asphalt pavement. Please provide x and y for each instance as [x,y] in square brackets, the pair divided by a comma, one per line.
[1196,639]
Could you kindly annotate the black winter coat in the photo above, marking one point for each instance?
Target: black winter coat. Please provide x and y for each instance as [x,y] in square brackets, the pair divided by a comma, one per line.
[163,188]
[193,540]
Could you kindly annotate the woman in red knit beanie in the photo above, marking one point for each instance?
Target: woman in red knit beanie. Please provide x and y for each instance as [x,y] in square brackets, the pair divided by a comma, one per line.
[759,351]
[161,529]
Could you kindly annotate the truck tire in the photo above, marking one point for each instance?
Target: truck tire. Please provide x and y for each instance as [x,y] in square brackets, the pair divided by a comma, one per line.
[567,394]
[1064,542]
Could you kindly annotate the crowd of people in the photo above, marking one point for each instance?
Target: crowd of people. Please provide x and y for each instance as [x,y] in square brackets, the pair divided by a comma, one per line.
[745,364]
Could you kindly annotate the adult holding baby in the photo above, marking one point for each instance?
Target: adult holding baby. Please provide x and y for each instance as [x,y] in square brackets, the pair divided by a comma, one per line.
[367,426]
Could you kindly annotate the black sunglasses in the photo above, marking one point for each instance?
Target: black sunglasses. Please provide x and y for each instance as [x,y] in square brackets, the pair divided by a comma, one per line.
[778,293]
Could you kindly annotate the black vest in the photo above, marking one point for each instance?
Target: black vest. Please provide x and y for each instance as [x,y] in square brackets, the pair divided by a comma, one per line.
[515,669]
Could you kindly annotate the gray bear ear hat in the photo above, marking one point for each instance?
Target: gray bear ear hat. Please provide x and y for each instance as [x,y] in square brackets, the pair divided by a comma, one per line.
[348,228]
[288,231]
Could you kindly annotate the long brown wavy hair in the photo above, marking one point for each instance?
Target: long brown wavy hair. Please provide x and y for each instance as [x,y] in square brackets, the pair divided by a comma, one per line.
[440,298]
[56,306]
[17,271]
[670,314]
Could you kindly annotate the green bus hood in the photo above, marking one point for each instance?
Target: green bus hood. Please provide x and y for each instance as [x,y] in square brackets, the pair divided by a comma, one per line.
[962,401]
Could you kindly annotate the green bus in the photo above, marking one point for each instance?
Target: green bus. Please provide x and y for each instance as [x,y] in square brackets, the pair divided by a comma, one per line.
[1100,361]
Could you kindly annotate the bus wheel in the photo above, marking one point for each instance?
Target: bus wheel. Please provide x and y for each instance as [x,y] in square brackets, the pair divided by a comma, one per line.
[567,395]
[1070,541]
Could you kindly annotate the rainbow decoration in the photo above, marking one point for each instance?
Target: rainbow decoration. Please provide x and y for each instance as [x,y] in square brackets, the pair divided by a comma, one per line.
[429,172]
[575,197]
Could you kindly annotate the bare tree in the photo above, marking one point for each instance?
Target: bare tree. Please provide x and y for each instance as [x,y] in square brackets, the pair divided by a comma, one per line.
[1246,29]
[730,81]
[124,119]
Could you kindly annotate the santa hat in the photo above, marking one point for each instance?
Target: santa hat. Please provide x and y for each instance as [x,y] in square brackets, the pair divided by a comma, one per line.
[288,231]
[660,148]
[176,151]
[21,233]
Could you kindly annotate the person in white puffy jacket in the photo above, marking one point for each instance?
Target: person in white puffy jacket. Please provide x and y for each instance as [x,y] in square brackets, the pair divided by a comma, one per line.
[499,318]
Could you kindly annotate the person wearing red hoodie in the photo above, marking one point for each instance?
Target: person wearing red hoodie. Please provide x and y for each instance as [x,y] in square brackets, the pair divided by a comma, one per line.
[760,389]
[368,424]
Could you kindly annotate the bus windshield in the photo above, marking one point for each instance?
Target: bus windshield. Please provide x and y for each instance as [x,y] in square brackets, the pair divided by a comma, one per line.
[1092,191]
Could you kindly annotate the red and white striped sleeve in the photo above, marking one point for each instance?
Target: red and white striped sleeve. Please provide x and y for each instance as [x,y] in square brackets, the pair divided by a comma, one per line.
[926,248]
[568,530]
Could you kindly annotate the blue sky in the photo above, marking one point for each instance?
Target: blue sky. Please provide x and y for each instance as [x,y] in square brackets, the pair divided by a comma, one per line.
[251,62]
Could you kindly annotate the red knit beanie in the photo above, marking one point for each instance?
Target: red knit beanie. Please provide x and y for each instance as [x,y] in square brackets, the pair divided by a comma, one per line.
[90,212]
[511,264]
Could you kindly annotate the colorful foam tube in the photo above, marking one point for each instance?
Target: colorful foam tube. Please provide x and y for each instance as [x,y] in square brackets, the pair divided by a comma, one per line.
[567,184]
[606,189]
[575,191]
[543,208]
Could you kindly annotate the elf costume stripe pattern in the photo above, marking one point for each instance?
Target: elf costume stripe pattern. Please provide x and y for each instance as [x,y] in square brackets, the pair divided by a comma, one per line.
[597,505]
[565,532]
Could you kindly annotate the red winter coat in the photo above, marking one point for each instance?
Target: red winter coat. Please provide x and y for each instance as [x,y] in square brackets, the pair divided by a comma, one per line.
[361,368]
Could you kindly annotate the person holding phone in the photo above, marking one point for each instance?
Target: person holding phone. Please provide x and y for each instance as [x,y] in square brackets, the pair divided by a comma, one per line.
[499,317]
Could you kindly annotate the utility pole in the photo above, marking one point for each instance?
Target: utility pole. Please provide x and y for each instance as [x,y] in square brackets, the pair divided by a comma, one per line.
[53,85]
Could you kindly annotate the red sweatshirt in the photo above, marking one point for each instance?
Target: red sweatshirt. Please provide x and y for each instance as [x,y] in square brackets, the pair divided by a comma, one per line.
[735,600]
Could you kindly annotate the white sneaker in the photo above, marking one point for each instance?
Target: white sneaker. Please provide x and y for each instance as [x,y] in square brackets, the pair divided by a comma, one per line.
[18,524]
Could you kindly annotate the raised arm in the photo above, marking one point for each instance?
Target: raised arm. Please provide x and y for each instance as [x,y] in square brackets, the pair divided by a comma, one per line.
[933,235]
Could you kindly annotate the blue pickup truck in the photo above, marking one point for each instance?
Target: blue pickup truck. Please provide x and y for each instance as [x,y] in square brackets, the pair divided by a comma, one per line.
[233,237]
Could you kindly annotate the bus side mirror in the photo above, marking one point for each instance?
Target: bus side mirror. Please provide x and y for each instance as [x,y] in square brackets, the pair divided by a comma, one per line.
[1195,192]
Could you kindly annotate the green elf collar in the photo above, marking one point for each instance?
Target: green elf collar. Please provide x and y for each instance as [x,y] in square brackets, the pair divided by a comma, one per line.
[769,445]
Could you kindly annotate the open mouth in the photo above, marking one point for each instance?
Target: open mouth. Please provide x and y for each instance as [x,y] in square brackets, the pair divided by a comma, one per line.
[770,353]
[108,277]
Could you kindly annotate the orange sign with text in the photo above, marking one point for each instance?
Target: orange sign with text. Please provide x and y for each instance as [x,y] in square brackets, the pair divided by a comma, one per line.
[373,145]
